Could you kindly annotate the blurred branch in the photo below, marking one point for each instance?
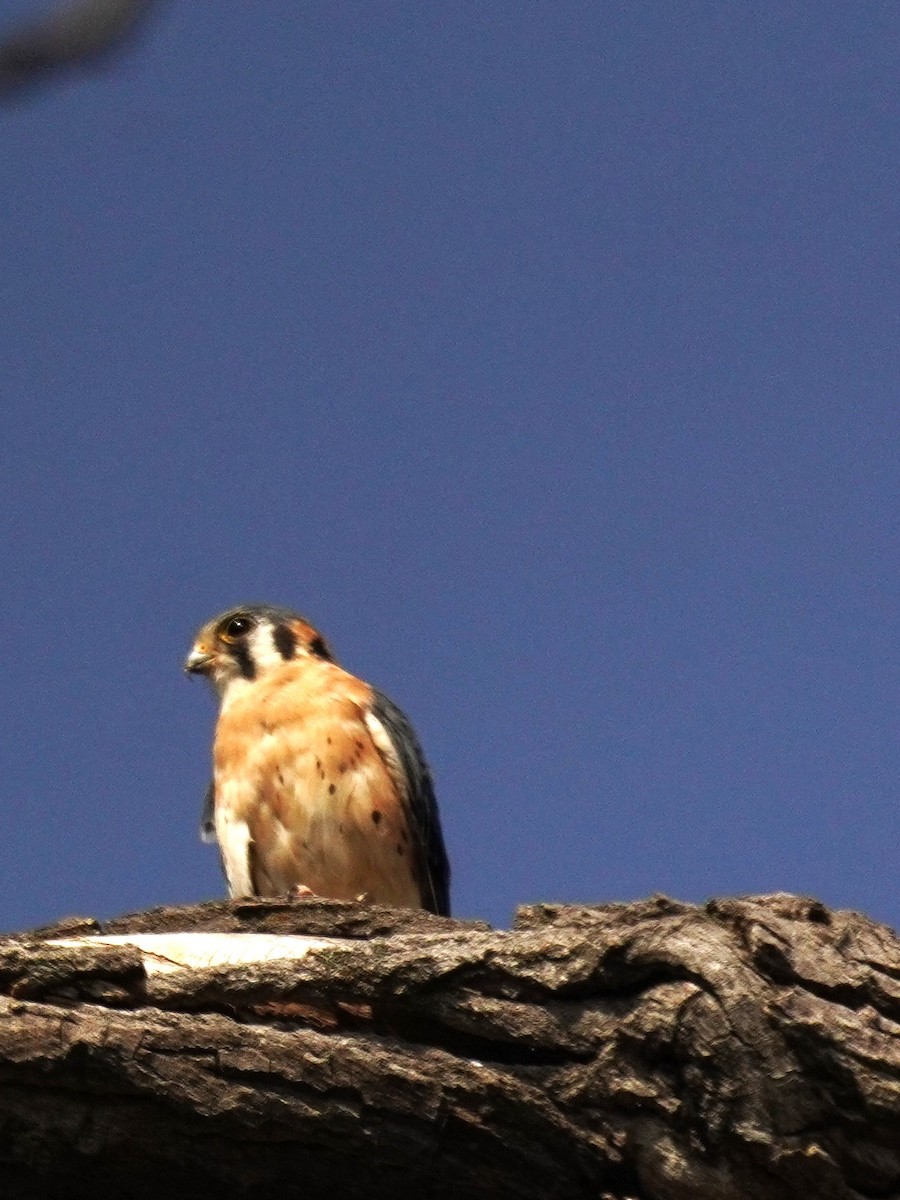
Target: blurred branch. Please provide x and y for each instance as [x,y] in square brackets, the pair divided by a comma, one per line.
[75,34]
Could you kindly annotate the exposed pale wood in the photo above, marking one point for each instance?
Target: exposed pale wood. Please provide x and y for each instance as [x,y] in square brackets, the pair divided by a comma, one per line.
[648,1051]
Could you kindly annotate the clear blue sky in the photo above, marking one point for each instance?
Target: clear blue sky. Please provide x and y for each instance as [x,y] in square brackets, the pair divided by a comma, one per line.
[544,354]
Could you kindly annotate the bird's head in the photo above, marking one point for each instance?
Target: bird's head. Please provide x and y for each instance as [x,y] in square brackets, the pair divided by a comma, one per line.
[246,642]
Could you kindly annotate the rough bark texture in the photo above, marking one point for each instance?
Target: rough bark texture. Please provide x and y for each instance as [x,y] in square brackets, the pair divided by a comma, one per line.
[657,1050]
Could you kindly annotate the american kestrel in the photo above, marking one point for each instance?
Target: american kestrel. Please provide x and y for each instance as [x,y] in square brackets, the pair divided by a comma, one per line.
[319,782]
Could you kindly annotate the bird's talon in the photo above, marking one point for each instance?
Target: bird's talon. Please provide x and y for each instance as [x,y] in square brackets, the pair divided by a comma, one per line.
[300,892]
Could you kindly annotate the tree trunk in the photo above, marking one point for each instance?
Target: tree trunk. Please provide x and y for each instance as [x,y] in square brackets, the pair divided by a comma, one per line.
[652,1051]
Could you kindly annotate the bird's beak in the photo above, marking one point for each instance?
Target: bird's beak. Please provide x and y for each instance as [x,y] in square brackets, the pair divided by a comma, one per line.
[199,661]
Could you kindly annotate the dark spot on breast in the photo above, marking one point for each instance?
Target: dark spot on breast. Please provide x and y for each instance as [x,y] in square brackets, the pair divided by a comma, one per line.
[342,767]
[331,789]
[328,740]
[266,726]
[404,835]
[359,745]
[376,816]
[285,641]
[399,849]
[340,828]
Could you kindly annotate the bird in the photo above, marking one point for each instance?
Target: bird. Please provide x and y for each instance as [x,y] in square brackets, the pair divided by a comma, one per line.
[320,786]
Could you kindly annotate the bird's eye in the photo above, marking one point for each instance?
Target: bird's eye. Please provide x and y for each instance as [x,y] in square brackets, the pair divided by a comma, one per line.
[236,628]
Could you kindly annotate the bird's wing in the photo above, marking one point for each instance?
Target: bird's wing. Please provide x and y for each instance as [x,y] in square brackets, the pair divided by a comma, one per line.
[208,817]
[398,745]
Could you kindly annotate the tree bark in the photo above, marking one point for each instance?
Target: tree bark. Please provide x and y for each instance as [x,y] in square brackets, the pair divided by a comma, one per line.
[646,1051]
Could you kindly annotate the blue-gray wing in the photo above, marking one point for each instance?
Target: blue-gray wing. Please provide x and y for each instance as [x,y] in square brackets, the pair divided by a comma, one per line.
[433,866]
[208,818]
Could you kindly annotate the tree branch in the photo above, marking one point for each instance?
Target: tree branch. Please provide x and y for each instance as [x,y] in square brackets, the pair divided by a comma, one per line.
[648,1051]
[74,34]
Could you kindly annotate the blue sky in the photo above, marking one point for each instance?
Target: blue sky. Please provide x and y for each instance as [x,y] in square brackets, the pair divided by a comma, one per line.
[544,354]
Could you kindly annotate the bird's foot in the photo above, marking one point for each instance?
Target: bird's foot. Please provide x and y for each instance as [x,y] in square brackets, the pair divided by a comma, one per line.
[300,892]
[362,898]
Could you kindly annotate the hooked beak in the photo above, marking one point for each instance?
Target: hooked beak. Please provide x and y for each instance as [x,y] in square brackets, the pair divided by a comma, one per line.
[199,661]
